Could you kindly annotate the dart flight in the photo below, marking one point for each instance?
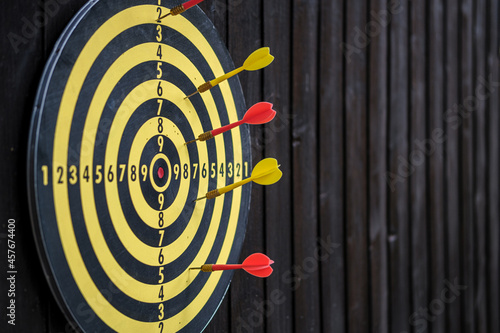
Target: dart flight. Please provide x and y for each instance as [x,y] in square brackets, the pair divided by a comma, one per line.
[257,264]
[255,61]
[258,114]
[181,8]
[266,172]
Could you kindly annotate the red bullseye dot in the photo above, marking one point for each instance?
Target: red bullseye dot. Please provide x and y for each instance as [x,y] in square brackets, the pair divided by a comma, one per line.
[161,173]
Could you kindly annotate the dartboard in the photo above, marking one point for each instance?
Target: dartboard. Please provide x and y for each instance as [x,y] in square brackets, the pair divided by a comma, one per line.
[112,185]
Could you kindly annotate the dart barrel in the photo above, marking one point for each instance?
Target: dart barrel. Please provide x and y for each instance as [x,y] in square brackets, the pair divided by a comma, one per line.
[205,87]
[207,268]
[213,194]
[177,10]
[205,136]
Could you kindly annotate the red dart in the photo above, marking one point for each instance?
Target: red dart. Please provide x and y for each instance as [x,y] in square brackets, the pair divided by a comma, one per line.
[190,3]
[257,264]
[181,8]
[260,113]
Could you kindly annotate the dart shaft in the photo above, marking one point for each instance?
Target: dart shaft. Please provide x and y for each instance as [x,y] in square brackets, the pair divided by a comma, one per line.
[215,193]
[226,128]
[225,267]
[226,76]
[231,187]
[191,3]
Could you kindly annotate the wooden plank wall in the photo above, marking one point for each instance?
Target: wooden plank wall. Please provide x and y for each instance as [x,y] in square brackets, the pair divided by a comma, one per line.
[387,216]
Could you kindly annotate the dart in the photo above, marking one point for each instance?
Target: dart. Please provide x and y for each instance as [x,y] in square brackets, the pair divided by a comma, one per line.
[181,8]
[266,172]
[260,113]
[257,264]
[255,61]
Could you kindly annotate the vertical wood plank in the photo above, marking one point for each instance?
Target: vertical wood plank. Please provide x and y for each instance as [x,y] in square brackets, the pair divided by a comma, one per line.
[418,161]
[277,142]
[377,202]
[479,124]
[331,166]
[493,228]
[217,11]
[452,161]
[434,146]
[467,188]
[245,36]
[356,171]
[221,320]
[304,154]
[399,239]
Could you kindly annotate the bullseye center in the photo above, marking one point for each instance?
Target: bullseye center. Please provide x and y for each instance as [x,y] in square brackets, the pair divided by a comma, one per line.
[161,172]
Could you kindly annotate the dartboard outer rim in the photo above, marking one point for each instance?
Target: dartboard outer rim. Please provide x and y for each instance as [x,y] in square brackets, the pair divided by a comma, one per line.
[34,130]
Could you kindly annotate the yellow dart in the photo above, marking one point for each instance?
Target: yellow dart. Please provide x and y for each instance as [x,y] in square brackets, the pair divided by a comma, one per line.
[266,172]
[255,61]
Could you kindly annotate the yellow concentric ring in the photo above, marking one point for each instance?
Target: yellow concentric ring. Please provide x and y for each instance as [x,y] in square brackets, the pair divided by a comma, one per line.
[151,177]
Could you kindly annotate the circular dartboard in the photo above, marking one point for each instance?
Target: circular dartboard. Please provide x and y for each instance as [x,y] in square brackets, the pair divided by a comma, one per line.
[112,184]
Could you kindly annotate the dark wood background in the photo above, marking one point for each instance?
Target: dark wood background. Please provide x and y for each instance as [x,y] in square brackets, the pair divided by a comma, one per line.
[387,216]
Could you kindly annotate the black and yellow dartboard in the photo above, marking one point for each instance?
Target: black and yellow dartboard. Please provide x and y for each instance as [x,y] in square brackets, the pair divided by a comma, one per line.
[112,184]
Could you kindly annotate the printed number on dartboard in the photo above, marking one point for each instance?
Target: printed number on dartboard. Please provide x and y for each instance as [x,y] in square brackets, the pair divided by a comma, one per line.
[211,170]
[119,173]
[144,168]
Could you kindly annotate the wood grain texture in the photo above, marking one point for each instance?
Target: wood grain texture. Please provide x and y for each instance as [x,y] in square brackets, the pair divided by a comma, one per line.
[356,170]
[493,162]
[435,149]
[377,168]
[467,174]
[452,159]
[398,153]
[479,123]
[277,142]
[419,160]
[304,164]
[331,168]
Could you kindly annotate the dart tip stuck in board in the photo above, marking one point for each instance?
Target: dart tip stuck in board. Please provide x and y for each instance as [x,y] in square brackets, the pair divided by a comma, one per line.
[112,183]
